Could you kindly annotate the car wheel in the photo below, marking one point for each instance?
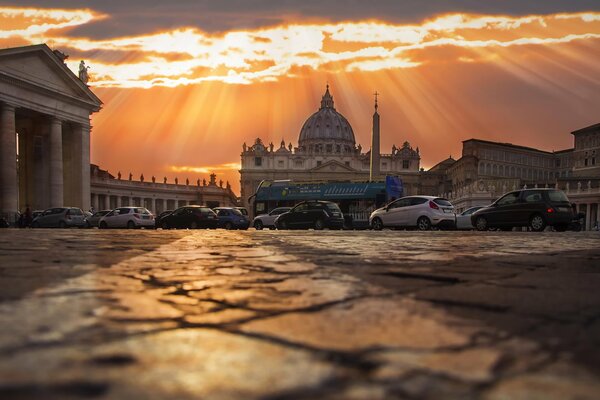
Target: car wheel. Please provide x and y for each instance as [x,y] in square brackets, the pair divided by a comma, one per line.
[561,227]
[102,225]
[319,225]
[424,224]
[377,224]
[537,223]
[35,225]
[229,226]
[194,225]
[258,225]
[481,224]
[130,225]
[62,225]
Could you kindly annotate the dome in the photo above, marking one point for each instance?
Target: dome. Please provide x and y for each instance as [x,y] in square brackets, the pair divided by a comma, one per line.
[326,126]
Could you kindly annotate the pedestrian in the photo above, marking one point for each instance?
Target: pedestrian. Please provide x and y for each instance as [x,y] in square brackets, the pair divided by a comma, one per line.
[28,216]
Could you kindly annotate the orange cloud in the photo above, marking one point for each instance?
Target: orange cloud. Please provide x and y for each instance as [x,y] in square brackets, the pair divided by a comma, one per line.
[189,56]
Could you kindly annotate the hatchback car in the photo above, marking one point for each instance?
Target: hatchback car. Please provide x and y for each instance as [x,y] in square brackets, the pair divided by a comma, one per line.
[192,217]
[268,220]
[232,218]
[93,221]
[534,208]
[312,214]
[127,217]
[421,212]
[463,220]
[59,217]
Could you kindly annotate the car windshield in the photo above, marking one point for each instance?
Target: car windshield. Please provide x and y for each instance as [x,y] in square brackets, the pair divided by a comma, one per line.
[442,202]
[557,196]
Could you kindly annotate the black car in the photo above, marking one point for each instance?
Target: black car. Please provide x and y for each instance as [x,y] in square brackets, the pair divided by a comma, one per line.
[192,217]
[312,214]
[534,208]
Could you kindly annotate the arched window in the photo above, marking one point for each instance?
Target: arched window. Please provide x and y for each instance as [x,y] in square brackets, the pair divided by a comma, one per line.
[488,169]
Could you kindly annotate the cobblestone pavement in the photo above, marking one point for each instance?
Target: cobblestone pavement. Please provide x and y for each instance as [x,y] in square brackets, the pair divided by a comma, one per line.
[299,315]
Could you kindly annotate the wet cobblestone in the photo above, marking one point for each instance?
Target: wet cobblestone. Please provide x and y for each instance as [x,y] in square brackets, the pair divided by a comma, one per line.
[299,315]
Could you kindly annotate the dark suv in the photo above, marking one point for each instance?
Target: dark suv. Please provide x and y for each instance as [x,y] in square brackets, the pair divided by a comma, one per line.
[534,208]
[312,214]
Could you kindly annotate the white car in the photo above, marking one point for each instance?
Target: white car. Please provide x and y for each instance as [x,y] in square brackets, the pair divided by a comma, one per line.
[421,212]
[127,217]
[268,220]
[463,220]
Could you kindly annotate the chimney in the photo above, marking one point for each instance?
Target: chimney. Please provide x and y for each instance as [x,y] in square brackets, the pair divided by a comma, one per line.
[375,154]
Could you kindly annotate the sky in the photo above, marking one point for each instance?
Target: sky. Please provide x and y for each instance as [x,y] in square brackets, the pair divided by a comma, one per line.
[185,83]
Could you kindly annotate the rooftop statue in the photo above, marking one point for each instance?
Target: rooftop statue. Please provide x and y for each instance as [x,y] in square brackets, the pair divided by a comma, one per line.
[83,72]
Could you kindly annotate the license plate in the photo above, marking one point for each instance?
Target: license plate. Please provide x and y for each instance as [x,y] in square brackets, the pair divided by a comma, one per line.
[448,211]
[145,217]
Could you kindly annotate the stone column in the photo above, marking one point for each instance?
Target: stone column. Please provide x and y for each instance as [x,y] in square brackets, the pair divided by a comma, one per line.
[588,216]
[153,205]
[9,190]
[107,202]
[94,201]
[118,201]
[81,144]
[56,164]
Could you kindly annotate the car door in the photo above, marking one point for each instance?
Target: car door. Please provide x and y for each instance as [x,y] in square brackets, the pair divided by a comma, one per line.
[413,210]
[296,216]
[394,214]
[45,218]
[504,210]
[111,218]
[532,202]
[177,218]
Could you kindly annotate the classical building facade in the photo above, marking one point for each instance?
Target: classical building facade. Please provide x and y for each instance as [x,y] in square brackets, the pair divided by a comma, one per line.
[108,192]
[44,131]
[487,169]
[326,151]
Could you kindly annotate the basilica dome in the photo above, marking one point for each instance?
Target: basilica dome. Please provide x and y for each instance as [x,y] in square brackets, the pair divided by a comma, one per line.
[326,127]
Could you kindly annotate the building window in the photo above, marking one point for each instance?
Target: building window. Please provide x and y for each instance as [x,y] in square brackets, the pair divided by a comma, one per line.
[347,163]
[280,163]
[329,148]
[405,164]
[384,165]
[338,148]
[298,163]
[319,163]
[593,160]
[585,162]
[258,161]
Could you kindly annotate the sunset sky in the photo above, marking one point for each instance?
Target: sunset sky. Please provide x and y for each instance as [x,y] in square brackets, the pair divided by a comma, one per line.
[185,83]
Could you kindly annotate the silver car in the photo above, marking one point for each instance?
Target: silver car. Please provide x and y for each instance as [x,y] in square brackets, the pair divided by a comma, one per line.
[127,217]
[60,217]
[94,219]
[268,220]
[421,212]
[463,220]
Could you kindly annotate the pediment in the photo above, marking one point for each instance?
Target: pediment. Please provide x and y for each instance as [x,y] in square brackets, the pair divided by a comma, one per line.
[333,166]
[37,66]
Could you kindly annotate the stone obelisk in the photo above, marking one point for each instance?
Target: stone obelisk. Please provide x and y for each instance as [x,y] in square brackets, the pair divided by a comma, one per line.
[375,148]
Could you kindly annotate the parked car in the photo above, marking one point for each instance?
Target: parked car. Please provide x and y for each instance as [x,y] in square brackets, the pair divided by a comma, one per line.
[534,208]
[463,220]
[4,223]
[127,217]
[192,217]
[421,212]
[162,214]
[93,221]
[59,217]
[268,220]
[232,218]
[312,214]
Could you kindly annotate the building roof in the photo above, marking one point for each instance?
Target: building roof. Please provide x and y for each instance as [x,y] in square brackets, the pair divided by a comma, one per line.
[591,128]
[514,146]
[327,125]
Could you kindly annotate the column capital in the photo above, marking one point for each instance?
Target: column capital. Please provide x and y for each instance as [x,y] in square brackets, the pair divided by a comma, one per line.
[7,106]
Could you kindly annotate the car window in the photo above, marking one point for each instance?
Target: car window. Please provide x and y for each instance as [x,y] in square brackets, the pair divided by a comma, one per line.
[333,207]
[75,211]
[300,207]
[415,201]
[315,206]
[442,202]
[122,211]
[179,211]
[557,196]
[235,211]
[141,210]
[400,203]
[470,211]
[510,198]
[223,213]
[243,211]
[533,197]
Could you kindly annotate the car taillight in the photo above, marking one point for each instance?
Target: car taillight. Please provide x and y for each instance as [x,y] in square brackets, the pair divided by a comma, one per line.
[136,216]
[550,210]
[433,205]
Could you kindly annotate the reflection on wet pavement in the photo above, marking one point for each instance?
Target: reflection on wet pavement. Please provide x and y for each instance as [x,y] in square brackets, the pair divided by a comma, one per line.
[219,314]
